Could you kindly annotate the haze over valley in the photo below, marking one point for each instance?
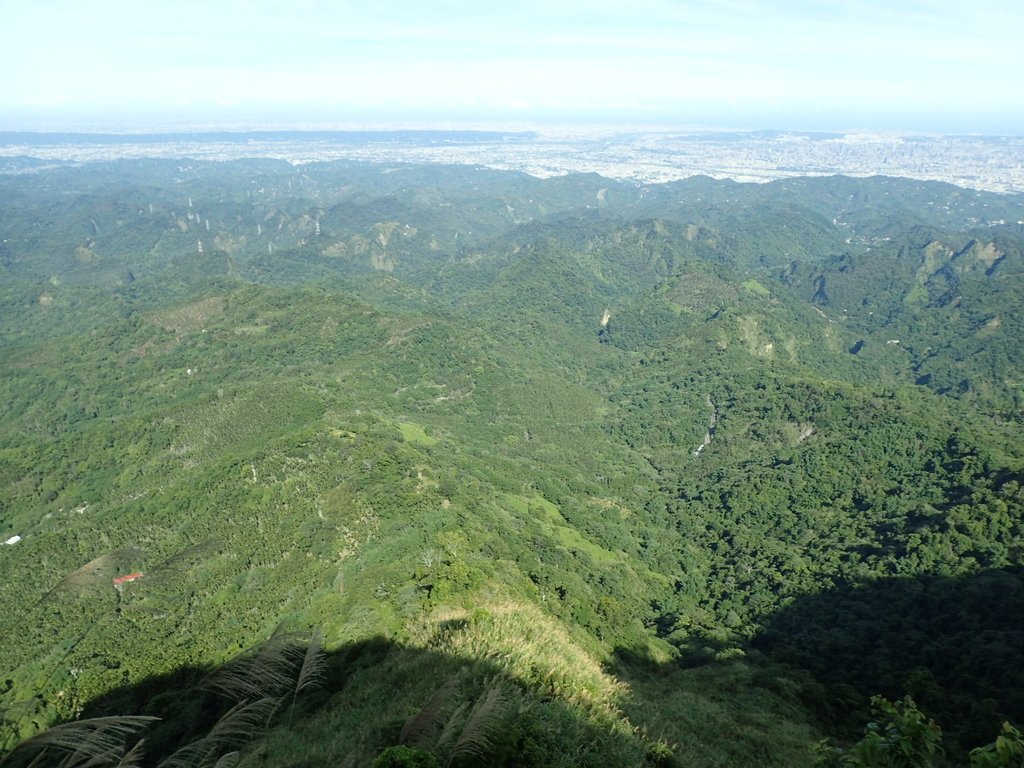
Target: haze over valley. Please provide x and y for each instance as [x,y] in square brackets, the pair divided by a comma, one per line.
[993,163]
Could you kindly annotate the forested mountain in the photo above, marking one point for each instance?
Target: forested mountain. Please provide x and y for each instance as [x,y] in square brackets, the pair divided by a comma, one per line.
[336,463]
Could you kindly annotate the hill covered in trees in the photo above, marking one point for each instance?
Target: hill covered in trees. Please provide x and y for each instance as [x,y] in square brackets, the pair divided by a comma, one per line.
[316,462]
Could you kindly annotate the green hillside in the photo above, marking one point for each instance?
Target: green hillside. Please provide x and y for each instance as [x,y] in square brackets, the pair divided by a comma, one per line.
[491,470]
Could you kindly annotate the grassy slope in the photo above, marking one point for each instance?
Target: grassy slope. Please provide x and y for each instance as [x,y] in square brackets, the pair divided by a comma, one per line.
[296,477]
[445,474]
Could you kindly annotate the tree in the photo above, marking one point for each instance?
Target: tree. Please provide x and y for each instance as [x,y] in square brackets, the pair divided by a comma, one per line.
[901,736]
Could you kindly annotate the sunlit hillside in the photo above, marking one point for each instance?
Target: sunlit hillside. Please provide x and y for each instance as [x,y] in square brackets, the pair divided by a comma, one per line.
[394,465]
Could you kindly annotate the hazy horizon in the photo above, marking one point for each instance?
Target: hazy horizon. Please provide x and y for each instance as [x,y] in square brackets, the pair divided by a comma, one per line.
[159,125]
[935,67]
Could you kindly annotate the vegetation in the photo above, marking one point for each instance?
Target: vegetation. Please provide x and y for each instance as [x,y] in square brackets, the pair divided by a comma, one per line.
[392,465]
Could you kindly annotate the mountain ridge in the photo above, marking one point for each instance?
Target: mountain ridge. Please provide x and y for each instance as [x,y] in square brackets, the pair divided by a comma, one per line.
[635,423]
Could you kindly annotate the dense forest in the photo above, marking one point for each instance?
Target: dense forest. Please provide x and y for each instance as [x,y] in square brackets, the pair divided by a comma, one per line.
[363,464]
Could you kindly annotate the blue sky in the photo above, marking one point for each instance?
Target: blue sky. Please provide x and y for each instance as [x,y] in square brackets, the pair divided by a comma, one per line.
[841,64]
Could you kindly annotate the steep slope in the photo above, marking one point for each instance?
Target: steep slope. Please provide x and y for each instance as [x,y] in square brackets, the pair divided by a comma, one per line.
[607,432]
[946,303]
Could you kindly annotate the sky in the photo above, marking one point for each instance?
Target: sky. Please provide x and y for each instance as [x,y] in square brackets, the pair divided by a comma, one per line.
[935,66]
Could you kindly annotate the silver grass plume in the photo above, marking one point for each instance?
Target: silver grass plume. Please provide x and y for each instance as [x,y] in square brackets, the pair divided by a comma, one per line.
[311,671]
[482,728]
[266,671]
[236,727]
[96,573]
[421,729]
[97,741]
[175,566]
[133,757]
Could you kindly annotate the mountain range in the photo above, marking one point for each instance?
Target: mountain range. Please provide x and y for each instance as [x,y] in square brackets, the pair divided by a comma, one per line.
[359,463]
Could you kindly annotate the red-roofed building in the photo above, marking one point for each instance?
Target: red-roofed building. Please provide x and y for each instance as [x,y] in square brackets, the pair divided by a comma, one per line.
[128,577]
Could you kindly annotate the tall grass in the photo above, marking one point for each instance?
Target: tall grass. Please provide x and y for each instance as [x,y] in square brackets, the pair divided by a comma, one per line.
[476,733]
[257,684]
[98,741]
[236,728]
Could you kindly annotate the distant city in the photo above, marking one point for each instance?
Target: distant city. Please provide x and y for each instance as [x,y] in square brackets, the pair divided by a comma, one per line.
[993,163]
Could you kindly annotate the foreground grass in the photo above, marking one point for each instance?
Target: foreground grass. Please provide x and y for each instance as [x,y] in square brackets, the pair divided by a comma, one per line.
[556,703]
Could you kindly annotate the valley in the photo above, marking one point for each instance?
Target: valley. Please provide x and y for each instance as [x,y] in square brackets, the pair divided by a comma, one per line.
[319,463]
